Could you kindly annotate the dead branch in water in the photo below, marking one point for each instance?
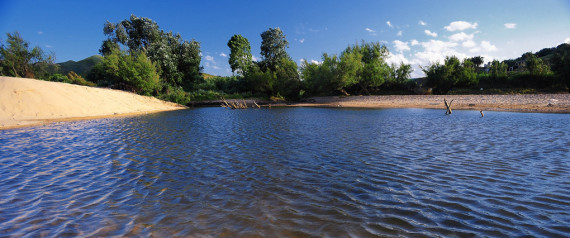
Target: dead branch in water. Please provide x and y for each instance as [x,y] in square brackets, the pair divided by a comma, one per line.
[448,106]
[235,104]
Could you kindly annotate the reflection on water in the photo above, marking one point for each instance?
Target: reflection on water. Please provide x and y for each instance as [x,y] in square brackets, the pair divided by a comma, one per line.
[292,172]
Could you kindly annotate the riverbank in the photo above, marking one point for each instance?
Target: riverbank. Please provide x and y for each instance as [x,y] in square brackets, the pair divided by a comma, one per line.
[545,103]
[28,102]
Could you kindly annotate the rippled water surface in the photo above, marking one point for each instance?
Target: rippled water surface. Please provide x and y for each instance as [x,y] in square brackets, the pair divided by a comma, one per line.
[289,172]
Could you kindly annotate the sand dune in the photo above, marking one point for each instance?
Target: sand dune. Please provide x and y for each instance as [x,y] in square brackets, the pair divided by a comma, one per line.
[25,102]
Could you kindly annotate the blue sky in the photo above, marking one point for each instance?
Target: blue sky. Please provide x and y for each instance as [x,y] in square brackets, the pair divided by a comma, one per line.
[416,32]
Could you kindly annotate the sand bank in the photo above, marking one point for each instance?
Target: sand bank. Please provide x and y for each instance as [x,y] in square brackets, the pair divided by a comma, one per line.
[547,103]
[26,102]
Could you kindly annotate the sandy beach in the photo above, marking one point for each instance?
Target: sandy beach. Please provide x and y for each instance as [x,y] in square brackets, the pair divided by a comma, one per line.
[546,103]
[27,102]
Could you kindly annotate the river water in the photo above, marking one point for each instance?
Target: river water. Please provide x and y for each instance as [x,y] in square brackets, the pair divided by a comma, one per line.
[289,172]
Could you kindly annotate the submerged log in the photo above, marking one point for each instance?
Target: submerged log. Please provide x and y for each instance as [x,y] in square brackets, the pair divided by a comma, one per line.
[235,104]
[448,106]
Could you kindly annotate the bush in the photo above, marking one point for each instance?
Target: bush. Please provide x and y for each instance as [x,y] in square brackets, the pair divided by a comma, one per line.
[176,95]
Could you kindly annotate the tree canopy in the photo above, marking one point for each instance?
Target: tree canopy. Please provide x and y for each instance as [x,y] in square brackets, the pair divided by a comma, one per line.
[240,54]
[178,60]
[273,48]
[18,60]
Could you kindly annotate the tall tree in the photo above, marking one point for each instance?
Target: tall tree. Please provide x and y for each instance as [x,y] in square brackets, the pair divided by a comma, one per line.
[18,60]
[535,65]
[561,63]
[273,48]
[240,54]
[452,73]
[477,61]
[178,60]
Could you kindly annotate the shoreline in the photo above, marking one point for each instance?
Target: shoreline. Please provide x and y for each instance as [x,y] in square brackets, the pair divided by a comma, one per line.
[538,103]
[28,102]
[533,103]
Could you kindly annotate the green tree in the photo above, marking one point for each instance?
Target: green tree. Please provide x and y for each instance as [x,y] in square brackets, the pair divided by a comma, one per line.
[18,60]
[240,54]
[321,78]
[375,69]
[399,77]
[178,60]
[349,68]
[273,48]
[452,73]
[535,65]
[477,61]
[287,82]
[561,63]
[258,81]
[130,71]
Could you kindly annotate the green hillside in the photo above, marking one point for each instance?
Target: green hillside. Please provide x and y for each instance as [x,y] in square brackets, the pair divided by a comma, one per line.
[82,67]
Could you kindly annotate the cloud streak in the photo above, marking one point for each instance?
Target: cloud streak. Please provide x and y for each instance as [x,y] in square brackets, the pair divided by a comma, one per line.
[389,24]
[460,26]
[430,33]
[510,25]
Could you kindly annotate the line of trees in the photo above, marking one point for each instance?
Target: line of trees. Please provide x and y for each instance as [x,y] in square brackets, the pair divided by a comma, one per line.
[140,57]
[528,71]
[360,69]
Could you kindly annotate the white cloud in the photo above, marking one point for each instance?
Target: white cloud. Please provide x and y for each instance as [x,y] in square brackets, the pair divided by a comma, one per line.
[389,24]
[255,58]
[567,40]
[510,25]
[397,59]
[49,46]
[461,37]
[369,30]
[399,33]
[215,67]
[429,33]
[223,55]
[436,51]
[415,42]
[40,32]
[488,47]
[469,44]
[423,23]
[315,62]
[485,46]
[460,26]
[302,40]
[210,58]
[401,46]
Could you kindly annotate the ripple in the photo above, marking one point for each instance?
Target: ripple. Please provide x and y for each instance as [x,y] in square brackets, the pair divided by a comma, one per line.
[289,172]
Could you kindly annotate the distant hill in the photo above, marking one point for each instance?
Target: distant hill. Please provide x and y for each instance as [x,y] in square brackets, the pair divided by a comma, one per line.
[82,67]
[208,76]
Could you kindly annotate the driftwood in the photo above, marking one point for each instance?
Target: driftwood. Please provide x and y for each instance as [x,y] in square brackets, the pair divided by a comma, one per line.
[448,106]
[234,104]
[481,111]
